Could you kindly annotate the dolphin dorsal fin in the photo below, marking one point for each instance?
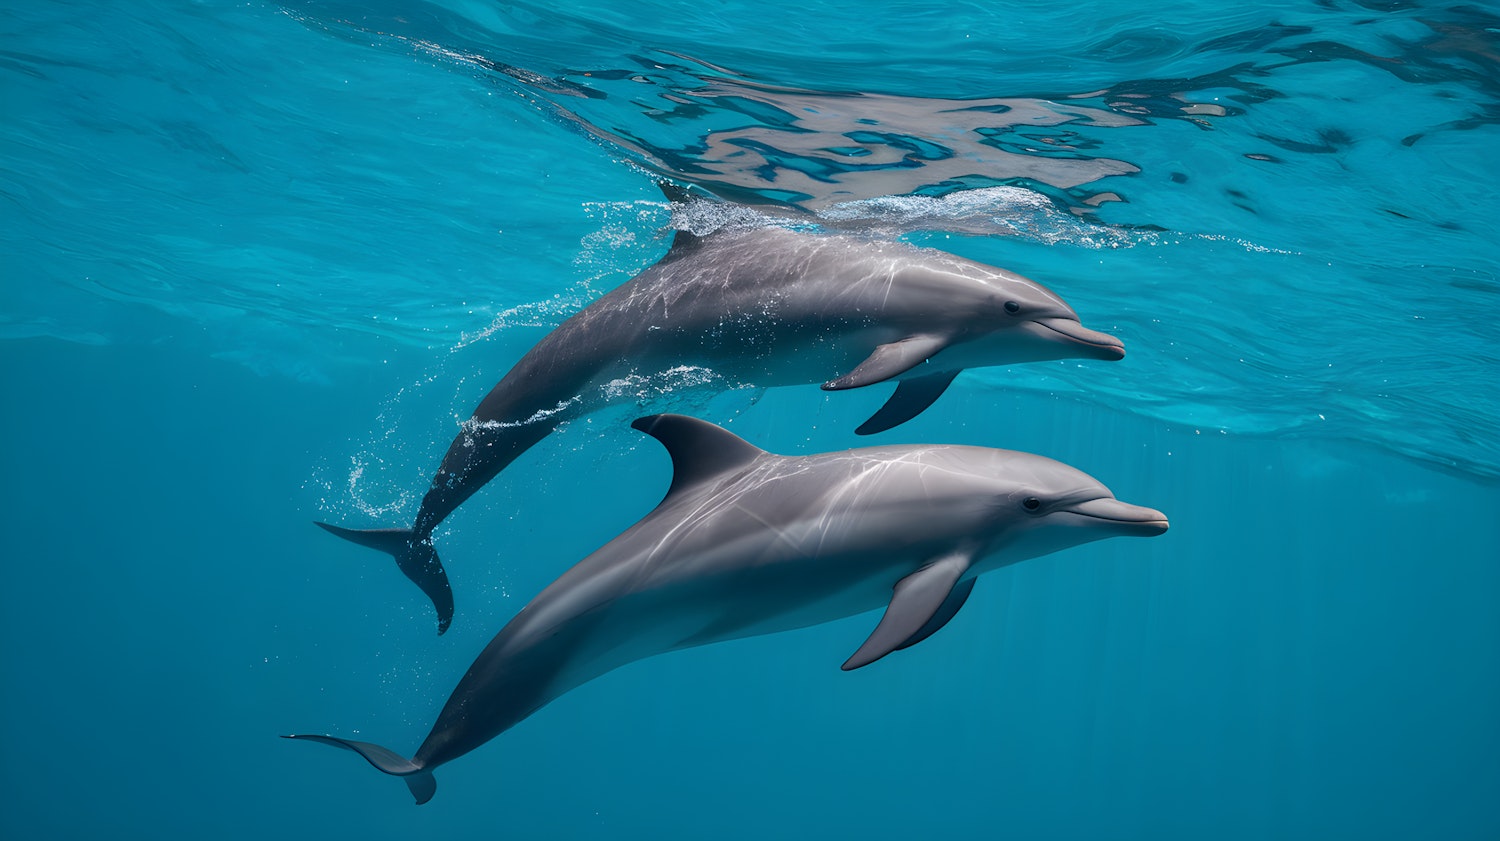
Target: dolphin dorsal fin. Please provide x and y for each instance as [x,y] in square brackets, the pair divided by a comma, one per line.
[674,193]
[699,450]
[682,241]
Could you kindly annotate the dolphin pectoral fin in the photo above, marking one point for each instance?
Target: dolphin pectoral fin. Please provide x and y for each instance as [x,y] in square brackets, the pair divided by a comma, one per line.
[891,359]
[912,397]
[946,611]
[418,561]
[419,781]
[916,610]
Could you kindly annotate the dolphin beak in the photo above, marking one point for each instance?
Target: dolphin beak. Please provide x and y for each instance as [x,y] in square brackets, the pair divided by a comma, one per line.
[1122,516]
[1105,345]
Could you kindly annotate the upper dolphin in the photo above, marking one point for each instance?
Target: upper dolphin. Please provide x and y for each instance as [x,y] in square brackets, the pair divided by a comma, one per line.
[747,542]
[768,306]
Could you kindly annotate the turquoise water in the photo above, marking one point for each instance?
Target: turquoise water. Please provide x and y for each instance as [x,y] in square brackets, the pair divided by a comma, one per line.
[259,260]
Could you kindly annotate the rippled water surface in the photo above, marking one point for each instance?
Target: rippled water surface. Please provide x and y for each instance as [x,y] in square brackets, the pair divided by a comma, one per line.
[258,260]
[1294,201]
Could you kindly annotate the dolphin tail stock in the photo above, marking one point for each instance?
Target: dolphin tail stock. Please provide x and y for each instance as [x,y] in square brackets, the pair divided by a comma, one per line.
[418,779]
[417,559]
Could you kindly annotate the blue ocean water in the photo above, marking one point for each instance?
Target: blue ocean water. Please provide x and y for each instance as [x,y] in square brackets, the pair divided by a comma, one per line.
[259,260]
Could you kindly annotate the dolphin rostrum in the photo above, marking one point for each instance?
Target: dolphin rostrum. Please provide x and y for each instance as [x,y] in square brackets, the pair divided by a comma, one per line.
[747,542]
[766,306]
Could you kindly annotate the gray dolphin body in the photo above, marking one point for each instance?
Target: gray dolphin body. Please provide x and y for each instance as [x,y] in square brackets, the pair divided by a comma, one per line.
[747,542]
[767,306]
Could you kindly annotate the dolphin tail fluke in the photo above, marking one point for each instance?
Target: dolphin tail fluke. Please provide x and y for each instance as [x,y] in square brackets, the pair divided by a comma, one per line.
[419,780]
[417,559]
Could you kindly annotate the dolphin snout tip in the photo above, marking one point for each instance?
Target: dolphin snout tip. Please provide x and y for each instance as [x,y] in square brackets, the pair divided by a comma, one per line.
[1109,348]
[1071,331]
[1124,517]
[1152,522]
[1103,347]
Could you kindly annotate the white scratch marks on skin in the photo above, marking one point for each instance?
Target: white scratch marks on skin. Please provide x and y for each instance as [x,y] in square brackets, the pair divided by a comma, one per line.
[781,533]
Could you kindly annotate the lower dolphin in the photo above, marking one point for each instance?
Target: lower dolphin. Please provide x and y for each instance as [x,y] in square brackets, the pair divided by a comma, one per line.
[747,542]
[768,306]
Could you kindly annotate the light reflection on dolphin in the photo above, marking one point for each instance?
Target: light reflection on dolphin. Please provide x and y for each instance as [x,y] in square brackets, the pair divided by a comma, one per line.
[767,306]
[747,542]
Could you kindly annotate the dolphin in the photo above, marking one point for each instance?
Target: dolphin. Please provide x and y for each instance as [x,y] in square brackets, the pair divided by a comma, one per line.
[747,542]
[768,306]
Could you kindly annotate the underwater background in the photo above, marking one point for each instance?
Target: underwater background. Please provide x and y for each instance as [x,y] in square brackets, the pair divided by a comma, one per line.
[258,260]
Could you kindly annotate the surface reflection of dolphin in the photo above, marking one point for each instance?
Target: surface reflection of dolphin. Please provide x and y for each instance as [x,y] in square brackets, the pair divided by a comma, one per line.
[747,543]
[840,147]
[765,306]
[815,149]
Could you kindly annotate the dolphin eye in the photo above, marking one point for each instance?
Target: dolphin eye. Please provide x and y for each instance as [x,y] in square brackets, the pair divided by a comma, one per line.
[1012,307]
[1031,503]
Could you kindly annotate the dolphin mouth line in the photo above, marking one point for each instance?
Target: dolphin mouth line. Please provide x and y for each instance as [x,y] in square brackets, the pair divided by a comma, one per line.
[1125,521]
[1110,510]
[1075,332]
